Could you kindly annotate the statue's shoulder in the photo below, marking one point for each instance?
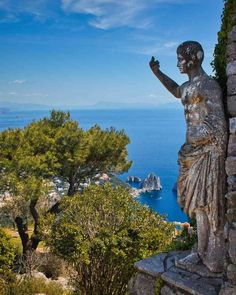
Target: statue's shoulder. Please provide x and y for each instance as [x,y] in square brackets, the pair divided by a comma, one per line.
[184,85]
[211,90]
[211,83]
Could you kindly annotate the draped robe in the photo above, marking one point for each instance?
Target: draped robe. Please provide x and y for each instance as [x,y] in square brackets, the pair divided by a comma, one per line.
[201,182]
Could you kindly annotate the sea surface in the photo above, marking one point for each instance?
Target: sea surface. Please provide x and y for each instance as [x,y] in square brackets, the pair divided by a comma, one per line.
[156,136]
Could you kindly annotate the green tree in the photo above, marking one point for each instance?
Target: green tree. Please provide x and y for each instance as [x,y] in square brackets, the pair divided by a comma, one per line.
[102,232]
[34,159]
[21,177]
[219,61]
[83,154]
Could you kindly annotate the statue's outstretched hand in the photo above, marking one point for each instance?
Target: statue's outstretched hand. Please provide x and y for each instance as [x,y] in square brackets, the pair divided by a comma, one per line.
[154,65]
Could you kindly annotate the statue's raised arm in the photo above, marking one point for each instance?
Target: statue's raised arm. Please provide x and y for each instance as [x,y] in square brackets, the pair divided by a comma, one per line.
[170,85]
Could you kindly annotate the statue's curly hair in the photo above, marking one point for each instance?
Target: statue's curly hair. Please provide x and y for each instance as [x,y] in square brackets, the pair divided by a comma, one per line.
[191,50]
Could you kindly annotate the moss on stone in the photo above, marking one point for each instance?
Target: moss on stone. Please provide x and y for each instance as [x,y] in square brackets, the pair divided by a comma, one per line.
[219,61]
[158,286]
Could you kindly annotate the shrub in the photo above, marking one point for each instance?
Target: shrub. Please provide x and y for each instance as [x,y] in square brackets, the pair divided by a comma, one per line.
[7,252]
[102,232]
[31,286]
[53,266]
[7,279]
[187,237]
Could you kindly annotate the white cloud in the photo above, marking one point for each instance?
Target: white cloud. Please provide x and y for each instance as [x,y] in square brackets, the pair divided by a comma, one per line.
[32,94]
[105,14]
[39,9]
[164,48]
[17,82]
[152,95]
[170,44]
[13,93]
[108,14]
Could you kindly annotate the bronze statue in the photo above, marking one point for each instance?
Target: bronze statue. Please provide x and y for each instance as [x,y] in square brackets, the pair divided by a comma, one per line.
[201,183]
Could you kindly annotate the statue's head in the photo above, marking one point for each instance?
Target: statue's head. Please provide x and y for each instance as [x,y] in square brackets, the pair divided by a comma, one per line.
[190,55]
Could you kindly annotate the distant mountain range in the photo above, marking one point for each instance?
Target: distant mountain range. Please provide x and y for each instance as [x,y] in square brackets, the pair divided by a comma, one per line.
[115,105]
[10,106]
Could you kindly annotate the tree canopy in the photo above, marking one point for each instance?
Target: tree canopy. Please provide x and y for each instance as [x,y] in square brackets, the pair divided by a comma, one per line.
[34,159]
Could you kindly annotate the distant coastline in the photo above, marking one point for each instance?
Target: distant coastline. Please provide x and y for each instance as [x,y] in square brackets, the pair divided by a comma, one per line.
[11,106]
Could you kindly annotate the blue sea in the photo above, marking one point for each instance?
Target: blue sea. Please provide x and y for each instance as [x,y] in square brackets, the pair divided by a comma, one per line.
[156,136]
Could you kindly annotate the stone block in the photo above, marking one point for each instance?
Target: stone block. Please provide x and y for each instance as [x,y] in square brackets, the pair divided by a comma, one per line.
[232,35]
[192,263]
[232,246]
[231,105]
[231,85]
[141,284]
[231,215]
[231,290]
[232,125]
[231,67]
[230,166]
[231,200]
[232,143]
[231,181]
[231,52]
[149,270]
[231,273]
[191,283]
[153,265]
[166,290]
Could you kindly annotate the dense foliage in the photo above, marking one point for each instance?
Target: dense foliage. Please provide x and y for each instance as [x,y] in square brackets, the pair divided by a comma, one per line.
[186,239]
[7,255]
[53,150]
[7,252]
[219,62]
[102,232]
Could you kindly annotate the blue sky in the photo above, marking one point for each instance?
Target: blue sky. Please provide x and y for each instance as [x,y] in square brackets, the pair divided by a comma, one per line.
[80,52]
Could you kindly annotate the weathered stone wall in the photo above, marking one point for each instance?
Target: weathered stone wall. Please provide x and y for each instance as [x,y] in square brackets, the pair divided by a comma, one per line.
[231,156]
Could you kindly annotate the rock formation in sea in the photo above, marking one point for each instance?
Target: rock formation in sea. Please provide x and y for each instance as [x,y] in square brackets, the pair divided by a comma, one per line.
[134,179]
[152,182]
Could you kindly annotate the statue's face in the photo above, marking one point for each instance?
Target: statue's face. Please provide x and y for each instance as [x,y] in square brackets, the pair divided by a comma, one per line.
[185,65]
[182,64]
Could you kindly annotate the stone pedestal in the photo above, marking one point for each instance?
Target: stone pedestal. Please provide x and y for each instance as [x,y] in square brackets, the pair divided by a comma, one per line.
[161,274]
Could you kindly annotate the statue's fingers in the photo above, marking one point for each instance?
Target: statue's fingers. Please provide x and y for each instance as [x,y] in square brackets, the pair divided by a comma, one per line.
[152,59]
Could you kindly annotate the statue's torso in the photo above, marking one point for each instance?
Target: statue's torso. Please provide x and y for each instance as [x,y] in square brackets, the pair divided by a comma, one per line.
[202,101]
